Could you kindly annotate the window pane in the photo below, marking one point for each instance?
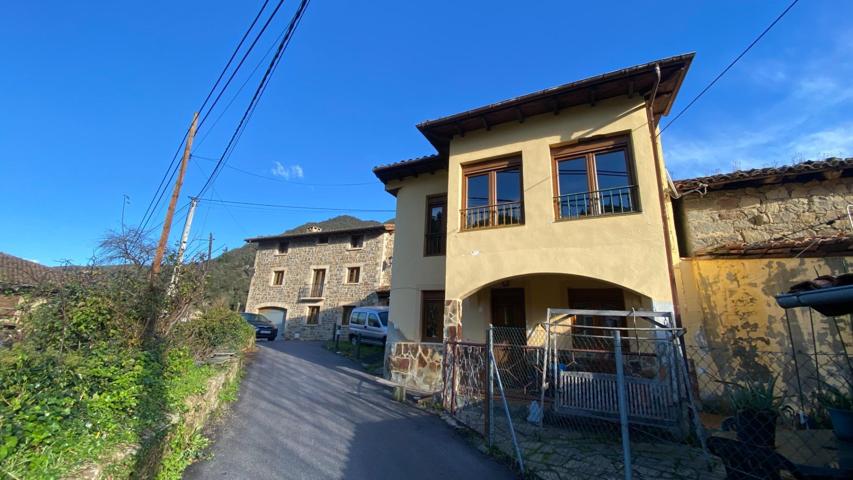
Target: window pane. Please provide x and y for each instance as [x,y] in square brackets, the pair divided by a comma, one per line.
[383,317]
[436,212]
[613,180]
[508,185]
[573,185]
[478,213]
[478,190]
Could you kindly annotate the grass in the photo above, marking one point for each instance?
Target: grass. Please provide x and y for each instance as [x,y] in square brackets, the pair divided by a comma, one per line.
[371,357]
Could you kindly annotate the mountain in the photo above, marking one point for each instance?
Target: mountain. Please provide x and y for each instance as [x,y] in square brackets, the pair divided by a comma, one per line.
[229,276]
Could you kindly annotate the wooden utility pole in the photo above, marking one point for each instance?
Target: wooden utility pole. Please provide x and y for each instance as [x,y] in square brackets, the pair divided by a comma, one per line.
[209,249]
[167,224]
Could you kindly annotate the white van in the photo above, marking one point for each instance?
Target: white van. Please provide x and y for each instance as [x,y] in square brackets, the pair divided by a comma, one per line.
[369,324]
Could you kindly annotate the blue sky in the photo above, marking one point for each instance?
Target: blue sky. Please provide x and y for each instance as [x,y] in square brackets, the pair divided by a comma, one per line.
[96,95]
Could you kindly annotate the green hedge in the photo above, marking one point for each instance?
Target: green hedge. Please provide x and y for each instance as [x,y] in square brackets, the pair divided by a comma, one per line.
[83,381]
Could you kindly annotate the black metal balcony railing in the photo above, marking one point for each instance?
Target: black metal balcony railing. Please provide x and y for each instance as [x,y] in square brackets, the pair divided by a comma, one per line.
[312,290]
[602,202]
[511,213]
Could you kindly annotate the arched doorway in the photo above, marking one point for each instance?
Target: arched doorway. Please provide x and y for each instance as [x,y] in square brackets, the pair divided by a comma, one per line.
[277,316]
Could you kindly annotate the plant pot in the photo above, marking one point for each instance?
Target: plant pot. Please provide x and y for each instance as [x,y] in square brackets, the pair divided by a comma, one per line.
[842,423]
[756,427]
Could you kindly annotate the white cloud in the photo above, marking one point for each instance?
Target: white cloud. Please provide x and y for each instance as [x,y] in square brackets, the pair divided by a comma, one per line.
[800,113]
[32,260]
[287,171]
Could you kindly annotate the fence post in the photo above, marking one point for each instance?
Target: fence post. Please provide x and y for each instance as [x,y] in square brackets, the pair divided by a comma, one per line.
[358,347]
[546,348]
[490,389]
[623,405]
[494,367]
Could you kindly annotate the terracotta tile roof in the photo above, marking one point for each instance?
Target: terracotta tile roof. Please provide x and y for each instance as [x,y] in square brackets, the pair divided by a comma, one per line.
[800,172]
[17,272]
[339,224]
[827,246]
[635,80]
[412,166]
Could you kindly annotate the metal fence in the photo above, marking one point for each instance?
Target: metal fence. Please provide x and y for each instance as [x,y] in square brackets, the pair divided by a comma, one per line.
[619,395]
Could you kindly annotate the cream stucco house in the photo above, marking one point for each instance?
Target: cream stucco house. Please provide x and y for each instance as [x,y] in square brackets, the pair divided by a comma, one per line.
[553,199]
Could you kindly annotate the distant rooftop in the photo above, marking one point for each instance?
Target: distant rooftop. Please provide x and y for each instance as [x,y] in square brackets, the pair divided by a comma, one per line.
[339,224]
[796,173]
[17,272]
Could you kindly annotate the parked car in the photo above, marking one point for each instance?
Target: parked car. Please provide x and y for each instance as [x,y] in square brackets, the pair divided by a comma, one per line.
[263,327]
[370,324]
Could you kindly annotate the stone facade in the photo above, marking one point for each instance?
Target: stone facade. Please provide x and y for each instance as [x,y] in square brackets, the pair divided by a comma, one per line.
[417,365]
[303,256]
[752,215]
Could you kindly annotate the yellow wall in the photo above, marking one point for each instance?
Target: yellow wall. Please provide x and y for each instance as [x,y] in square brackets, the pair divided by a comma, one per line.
[626,250]
[727,303]
[411,270]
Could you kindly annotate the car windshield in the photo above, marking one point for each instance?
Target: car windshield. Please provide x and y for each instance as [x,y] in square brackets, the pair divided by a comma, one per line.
[383,317]
[254,317]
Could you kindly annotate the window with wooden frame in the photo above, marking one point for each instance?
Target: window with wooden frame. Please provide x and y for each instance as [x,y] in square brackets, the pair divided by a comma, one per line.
[353,274]
[323,240]
[436,225]
[346,312]
[492,194]
[432,316]
[594,178]
[278,277]
[356,241]
[282,247]
[313,317]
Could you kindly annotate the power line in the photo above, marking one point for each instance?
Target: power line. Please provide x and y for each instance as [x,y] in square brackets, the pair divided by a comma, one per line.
[285,41]
[234,55]
[730,65]
[293,207]
[279,179]
[173,167]
[240,64]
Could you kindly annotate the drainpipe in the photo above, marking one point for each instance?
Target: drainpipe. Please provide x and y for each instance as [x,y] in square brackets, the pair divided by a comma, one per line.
[659,174]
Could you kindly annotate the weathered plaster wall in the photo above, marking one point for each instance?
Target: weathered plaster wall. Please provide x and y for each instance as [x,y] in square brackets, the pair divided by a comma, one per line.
[736,331]
[759,214]
[298,264]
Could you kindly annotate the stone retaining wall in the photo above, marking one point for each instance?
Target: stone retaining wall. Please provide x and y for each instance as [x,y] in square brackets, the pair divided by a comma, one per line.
[417,365]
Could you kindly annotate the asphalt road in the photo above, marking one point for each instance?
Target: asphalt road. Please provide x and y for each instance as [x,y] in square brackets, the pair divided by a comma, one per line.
[306,413]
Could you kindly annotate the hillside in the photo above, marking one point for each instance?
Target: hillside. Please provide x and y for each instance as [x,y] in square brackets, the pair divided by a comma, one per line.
[229,276]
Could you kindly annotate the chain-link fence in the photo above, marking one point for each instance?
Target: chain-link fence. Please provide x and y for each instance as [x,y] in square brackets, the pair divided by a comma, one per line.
[587,393]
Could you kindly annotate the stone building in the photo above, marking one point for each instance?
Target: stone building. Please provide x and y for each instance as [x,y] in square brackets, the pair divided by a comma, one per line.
[308,279]
[747,236]
[751,208]
[19,280]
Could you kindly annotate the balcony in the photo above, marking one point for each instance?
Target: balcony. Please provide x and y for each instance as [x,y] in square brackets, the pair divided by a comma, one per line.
[611,201]
[311,291]
[487,216]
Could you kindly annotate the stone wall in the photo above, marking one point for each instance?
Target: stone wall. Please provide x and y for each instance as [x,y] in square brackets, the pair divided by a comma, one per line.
[298,264]
[753,215]
[417,365]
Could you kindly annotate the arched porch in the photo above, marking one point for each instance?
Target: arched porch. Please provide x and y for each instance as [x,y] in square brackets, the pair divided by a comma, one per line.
[523,301]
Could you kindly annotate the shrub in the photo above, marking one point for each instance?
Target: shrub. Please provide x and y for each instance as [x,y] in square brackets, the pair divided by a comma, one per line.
[85,378]
[217,329]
